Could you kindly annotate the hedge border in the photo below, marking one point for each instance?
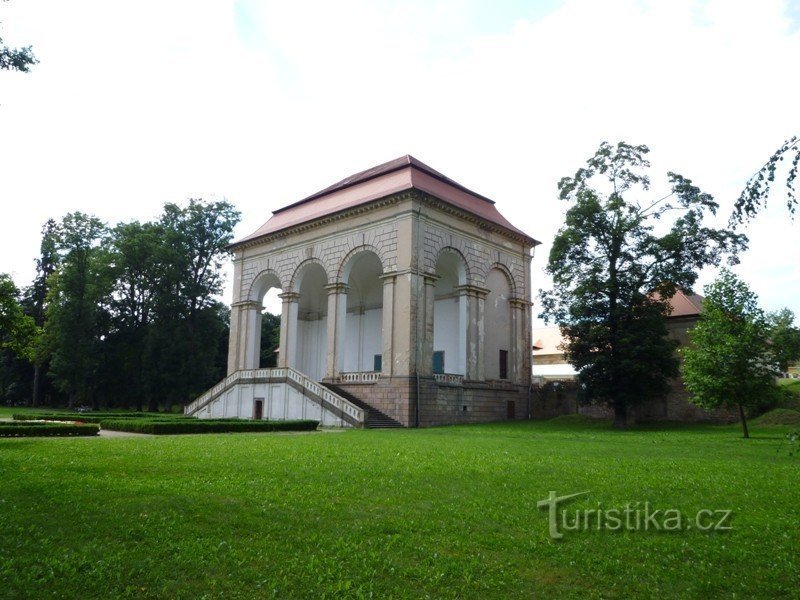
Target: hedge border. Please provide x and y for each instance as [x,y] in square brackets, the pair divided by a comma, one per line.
[48,430]
[94,417]
[166,427]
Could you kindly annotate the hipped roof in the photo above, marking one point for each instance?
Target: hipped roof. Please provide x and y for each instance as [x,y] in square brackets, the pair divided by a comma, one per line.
[395,176]
[548,339]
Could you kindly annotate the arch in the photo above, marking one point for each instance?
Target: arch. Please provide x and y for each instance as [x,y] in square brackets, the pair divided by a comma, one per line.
[506,271]
[363,313]
[263,282]
[347,262]
[464,275]
[450,313]
[498,324]
[311,321]
[300,271]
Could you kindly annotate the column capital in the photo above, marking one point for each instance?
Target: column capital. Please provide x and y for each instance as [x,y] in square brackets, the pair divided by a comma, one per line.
[247,304]
[472,290]
[519,303]
[337,288]
[430,278]
[388,277]
[289,296]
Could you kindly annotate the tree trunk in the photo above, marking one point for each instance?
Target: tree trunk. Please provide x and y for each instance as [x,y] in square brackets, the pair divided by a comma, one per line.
[152,405]
[744,422]
[37,385]
[620,416]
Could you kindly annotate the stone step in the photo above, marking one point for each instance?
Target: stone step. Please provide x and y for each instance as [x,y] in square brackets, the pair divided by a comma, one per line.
[375,418]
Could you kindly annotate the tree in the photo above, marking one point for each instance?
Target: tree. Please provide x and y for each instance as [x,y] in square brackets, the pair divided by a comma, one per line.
[730,361]
[16,59]
[133,250]
[36,296]
[77,313]
[757,189]
[613,276]
[270,339]
[784,338]
[182,349]
[17,330]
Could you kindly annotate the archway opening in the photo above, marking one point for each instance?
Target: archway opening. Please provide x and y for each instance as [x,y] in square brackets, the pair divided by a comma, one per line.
[264,351]
[270,329]
[497,326]
[450,316]
[312,321]
[364,318]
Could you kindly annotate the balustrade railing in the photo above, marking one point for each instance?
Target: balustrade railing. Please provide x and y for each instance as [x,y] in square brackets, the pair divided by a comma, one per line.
[360,377]
[306,383]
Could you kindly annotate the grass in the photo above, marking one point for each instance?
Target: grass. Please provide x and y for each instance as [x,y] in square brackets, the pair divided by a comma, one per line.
[445,513]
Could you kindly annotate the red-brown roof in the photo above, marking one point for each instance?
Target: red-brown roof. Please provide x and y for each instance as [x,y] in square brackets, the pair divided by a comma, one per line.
[397,175]
[549,339]
[686,304]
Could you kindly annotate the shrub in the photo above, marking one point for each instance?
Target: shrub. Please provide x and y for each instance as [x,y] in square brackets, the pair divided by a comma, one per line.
[46,429]
[95,417]
[175,426]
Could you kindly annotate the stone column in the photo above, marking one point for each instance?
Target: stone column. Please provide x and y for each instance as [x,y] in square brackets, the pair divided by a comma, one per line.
[288,339]
[475,296]
[387,333]
[425,306]
[521,342]
[245,336]
[337,318]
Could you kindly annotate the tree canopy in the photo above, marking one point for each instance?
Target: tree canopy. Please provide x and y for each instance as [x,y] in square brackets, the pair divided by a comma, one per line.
[129,315]
[757,190]
[16,59]
[731,360]
[614,274]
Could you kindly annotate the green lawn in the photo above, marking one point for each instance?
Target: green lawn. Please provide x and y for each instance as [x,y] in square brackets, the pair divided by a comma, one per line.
[445,512]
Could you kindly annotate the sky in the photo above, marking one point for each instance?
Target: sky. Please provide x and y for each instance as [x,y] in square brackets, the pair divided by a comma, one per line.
[263,103]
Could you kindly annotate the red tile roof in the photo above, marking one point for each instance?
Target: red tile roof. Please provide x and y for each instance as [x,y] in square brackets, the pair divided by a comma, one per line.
[397,175]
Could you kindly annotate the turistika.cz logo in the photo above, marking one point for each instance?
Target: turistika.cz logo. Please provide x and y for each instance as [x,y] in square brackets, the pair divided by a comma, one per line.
[635,516]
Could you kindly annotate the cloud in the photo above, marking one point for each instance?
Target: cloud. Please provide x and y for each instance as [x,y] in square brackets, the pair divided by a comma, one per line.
[266,102]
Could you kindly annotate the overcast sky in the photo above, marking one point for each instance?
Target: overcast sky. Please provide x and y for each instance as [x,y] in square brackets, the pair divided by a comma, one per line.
[263,103]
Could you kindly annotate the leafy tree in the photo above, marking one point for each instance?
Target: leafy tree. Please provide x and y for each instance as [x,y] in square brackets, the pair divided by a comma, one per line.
[730,361]
[188,321]
[613,275]
[17,329]
[757,189]
[16,59]
[133,250]
[270,339]
[36,297]
[784,338]
[76,315]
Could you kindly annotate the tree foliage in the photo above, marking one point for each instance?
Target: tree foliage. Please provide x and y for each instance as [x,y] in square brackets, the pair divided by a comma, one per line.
[76,317]
[16,59]
[270,340]
[756,191]
[784,338]
[130,315]
[730,361]
[17,329]
[613,274]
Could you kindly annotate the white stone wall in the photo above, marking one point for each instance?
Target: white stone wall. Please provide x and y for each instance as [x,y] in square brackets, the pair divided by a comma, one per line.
[408,237]
[282,402]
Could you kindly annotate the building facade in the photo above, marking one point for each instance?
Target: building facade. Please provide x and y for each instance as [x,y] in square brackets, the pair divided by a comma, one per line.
[555,380]
[406,299]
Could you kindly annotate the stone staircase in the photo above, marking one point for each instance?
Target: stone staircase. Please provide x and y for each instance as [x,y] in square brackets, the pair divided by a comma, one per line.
[375,419]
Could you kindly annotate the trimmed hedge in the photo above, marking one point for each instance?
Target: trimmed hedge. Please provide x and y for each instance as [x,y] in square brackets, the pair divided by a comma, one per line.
[162,426]
[46,429]
[95,417]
